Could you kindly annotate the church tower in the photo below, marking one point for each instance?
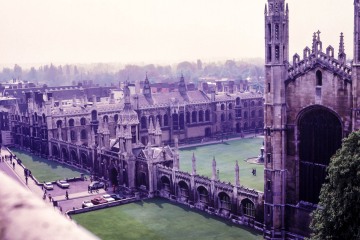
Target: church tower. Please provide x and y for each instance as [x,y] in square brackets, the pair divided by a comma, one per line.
[356,68]
[276,60]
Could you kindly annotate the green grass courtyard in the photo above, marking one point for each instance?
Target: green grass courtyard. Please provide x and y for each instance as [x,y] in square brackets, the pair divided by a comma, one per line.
[159,219]
[46,170]
[226,153]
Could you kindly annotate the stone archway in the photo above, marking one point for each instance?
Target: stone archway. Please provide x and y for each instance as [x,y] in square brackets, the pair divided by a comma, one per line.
[248,208]
[65,155]
[183,191]
[165,184]
[320,136]
[203,195]
[73,156]
[55,152]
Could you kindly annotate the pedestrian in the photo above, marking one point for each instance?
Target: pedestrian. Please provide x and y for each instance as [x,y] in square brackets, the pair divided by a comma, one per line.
[50,198]
[60,208]
[13,165]
[26,180]
[66,195]
[45,191]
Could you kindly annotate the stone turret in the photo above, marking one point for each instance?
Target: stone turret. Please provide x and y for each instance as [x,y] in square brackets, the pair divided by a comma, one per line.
[158,134]
[237,174]
[214,175]
[193,164]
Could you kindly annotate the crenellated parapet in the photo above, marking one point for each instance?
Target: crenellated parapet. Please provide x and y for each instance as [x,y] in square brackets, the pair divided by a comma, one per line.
[316,57]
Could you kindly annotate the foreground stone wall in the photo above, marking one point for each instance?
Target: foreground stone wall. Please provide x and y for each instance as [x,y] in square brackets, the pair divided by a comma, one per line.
[25,216]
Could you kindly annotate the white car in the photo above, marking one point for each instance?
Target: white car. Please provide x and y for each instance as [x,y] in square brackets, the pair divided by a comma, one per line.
[108,198]
[48,186]
[62,183]
[87,203]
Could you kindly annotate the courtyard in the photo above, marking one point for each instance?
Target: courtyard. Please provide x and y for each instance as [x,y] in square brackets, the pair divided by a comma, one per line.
[226,153]
[46,170]
[159,219]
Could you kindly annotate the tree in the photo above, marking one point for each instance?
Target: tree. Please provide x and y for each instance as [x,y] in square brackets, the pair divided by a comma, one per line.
[338,214]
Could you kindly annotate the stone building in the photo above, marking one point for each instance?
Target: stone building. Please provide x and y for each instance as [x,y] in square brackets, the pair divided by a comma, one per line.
[127,142]
[310,105]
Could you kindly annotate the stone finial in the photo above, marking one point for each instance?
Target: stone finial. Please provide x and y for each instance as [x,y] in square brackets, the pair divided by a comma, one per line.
[151,129]
[342,55]
[193,164]
[265,11]
[287,8]
[237,174]
[214,177]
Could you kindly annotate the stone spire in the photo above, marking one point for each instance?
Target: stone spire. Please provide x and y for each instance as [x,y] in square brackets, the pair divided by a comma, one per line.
[342,55]
[182,85]
[176,158]
[237,174]
[193,164]
[266,10]
[214,175]
[151,131]
[127,104]
[147,88]
[157,133]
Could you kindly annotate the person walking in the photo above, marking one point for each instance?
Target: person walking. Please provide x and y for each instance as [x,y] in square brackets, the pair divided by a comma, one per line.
[67,195]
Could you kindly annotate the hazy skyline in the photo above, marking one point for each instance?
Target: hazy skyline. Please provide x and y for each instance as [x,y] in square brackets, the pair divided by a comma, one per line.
[158,31]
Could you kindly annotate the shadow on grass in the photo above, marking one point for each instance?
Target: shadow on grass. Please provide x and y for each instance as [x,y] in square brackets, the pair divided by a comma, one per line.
[160,201]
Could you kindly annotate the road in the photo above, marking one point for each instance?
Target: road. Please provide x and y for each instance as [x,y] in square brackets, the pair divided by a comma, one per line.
[78,190]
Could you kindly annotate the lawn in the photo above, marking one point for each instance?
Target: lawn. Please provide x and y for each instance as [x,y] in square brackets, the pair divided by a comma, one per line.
[226,153]
[159,219]
[46,170]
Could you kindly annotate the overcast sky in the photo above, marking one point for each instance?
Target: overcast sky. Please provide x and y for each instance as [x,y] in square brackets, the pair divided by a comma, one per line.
[158,31]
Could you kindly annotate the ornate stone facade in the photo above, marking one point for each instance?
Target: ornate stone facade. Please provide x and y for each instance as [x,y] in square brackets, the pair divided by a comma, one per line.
[127,142]
[310,105]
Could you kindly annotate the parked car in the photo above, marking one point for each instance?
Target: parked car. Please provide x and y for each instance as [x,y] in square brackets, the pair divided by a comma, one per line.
[62,183]
[96,185]
[116,196]
[87,203]
[48,186]
[98,200]
[108,198]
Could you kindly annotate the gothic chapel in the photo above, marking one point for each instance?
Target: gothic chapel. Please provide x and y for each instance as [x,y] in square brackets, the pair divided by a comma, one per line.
[311,103]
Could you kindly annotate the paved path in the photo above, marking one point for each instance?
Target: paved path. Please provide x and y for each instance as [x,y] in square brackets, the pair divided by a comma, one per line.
[17,173]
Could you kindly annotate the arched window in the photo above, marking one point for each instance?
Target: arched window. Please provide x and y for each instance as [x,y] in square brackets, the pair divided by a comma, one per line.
[318,78]
[230,106]
[237,101]
[245,126]
[59,124]
[71,122]
[252,114]
[201,116]
[194,116]
[222,106]
[83,134]
[44,118]
[181,121]
[245,104]
[116,118]
[252,103]
[72,135]
[82,121]
[94,115]
[230,116]
[106,119]
[175,119]
[222,117]
[261,113]
[187,117]
[248,207]
[259,103]
[143,122]
[158,118]
[166,120]
[207,115]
